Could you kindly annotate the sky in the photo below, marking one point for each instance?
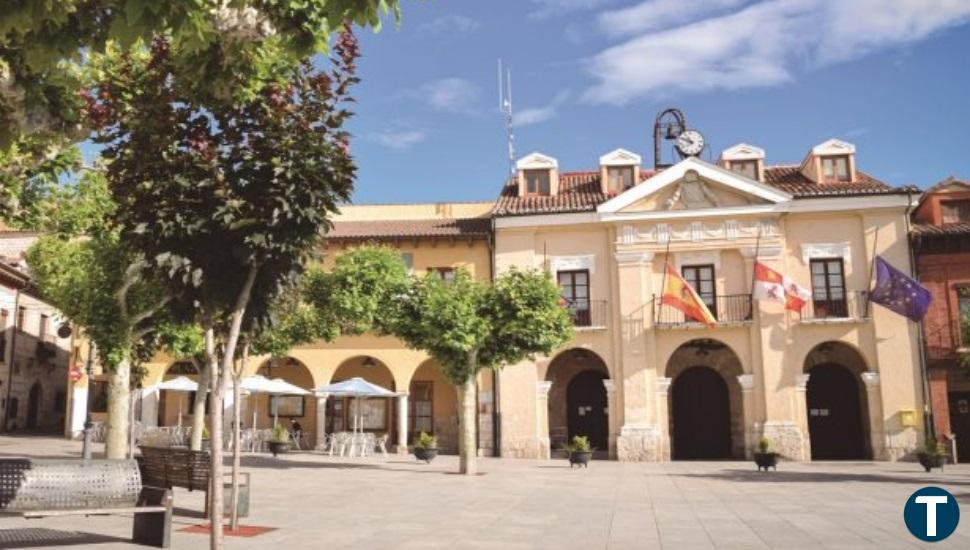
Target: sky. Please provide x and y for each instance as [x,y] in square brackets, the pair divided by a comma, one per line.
[589,76]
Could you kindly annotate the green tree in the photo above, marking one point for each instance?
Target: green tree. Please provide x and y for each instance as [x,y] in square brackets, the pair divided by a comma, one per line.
[87,272]
[227,199]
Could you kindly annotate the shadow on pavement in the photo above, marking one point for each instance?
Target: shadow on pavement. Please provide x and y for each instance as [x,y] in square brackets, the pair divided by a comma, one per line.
[782,476]
[37,537]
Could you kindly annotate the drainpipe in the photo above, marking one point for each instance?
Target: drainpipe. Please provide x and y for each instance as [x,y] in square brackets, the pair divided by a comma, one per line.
[496,415]
[13,356]
[928,426]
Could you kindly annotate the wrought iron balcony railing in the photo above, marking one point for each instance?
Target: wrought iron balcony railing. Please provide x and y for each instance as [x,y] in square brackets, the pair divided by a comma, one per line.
[851,305]
[729,309]
[587,313]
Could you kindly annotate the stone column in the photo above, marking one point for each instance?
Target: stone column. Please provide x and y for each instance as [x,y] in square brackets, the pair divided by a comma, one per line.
[801,412]
[611,415]
[402,424]
[321,442]
[663,416]
[542,419]
[149,409]
[877,429]
[747,412]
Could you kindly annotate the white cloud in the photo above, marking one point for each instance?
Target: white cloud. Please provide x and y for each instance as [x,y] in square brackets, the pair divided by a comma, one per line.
[551,8]
[453,95]
[535,115]
[659,14]
[400,140]
[460,24]
[762,44]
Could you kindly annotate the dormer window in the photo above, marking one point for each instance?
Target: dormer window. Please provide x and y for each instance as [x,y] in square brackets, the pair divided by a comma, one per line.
[747,168]
[538,175]
[537,181]
[618,178]
[836,169]
[957,211]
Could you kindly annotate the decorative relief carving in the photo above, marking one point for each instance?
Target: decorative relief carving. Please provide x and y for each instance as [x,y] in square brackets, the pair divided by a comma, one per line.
[701,231]
[698,258]
[746,381]
[826,250]
[568,263]
[871,379]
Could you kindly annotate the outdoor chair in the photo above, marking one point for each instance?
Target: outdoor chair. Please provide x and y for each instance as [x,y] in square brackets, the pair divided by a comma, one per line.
[381,444]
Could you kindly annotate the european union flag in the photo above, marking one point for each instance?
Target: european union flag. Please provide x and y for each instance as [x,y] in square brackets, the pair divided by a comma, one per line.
[898,292]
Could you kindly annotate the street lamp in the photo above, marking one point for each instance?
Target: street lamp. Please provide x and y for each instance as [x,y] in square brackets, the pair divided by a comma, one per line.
[88,423]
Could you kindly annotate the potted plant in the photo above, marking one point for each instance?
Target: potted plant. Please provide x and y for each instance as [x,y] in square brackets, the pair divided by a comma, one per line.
[280,442]
[764,457]
[425,447]
[934,456]
[579,451]
[206,439]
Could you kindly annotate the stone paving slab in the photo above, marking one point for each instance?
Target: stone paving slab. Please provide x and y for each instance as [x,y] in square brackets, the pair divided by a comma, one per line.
[322,502]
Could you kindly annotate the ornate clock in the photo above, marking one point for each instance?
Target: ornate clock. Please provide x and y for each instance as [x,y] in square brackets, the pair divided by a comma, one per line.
[689,143]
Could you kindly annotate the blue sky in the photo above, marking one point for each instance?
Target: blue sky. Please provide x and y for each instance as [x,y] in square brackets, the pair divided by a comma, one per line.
[891,76]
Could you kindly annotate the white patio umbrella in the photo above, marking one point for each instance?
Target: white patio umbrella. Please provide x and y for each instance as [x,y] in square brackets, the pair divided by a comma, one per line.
[275,386]
[356,388]
[180,384]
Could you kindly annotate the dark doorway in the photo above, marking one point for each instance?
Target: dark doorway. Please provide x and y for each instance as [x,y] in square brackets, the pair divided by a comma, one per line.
[587,409]
[960,423]
[834,414]
[33,405]
[701,415]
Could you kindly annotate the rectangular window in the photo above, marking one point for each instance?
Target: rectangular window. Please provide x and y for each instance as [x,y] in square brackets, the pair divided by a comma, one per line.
[963,306]
[447,274]
[42,329]
[835,168]
[574,290]
[955,211]
[420,408]
[619,178]
[701,278]
[828,288]
[536,182]
[747,168]
[287,405]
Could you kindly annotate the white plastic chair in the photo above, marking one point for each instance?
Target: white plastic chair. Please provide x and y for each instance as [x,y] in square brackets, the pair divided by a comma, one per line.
[381,444]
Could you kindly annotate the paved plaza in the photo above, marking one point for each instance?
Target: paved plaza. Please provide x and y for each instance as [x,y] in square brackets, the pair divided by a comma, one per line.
[316,501]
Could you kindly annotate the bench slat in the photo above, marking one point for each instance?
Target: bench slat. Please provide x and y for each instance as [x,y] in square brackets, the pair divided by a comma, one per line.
[91,512]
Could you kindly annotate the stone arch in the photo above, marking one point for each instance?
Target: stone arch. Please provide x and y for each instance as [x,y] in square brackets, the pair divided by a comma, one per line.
[433,406]
[301,409]
[170,403]
[706,405]
[836,402]
[578,403]
[382,412]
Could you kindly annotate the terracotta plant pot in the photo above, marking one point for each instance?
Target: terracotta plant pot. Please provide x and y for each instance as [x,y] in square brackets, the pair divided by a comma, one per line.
[425,454]
[766,460]
[277,447]
[580,458]
[929,461]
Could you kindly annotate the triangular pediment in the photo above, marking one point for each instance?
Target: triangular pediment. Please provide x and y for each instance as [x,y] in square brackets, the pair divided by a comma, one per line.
[620,157]
[693,184]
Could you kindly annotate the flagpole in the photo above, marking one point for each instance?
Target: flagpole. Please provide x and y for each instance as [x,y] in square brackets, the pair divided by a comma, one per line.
[754,271]
[663,279]
[872,267]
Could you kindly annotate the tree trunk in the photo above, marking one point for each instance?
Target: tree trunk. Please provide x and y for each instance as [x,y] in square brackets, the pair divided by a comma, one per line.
[236,451]
[198,408]
[467,446]
[119,402]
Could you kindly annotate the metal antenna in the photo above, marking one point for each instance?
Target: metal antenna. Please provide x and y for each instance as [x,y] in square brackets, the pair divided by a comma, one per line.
[505,105]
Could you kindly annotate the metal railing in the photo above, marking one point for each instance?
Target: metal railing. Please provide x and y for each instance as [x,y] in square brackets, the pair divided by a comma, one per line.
[731,308]
[587,313]
[851,305]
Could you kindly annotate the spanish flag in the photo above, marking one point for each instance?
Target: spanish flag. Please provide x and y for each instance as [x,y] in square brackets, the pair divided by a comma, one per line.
[679,295]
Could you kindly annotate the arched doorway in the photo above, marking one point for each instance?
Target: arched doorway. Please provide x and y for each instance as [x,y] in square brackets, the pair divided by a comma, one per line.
[379,415]
[578,403]
[702,415]
[176,406]
[33,406]
[835,400]
[706,412]
[433,406]
[288,409]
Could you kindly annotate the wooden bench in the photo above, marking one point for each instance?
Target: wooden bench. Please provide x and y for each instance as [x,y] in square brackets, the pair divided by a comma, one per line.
[170,467]
[38,488]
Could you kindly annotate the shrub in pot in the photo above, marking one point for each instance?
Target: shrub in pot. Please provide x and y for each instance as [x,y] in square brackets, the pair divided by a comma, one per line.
[579,451]
[280,442]
[425,447]
[206,439]
[933,456]
[764,457]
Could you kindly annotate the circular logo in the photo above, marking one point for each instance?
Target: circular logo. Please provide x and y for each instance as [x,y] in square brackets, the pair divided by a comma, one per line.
[931,514]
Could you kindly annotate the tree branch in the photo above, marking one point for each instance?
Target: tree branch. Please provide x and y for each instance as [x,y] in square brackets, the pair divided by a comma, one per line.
[128,281]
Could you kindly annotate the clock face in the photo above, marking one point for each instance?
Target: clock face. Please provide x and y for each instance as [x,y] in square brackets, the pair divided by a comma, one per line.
[690,143]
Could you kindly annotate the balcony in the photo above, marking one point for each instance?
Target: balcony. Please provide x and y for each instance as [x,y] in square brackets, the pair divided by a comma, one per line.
[852,307]
[731,309]
[587,314]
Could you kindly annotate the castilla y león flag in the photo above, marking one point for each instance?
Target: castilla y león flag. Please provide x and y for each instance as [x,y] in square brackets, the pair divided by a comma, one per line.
[679,295]
[771,285]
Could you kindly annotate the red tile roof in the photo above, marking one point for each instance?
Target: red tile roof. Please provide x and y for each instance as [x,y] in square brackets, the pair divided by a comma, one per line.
[389,229]
[930,230]
[580,191]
